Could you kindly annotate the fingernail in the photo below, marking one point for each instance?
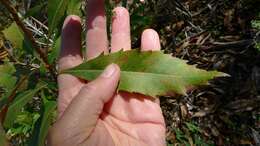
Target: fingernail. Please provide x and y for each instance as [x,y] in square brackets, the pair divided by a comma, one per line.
[151,36]
[109,71]
[71,19]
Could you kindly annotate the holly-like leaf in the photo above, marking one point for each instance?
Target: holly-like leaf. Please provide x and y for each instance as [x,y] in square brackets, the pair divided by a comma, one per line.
[148,73]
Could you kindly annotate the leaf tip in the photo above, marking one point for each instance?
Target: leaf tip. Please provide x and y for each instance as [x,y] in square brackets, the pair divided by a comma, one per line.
[222,74]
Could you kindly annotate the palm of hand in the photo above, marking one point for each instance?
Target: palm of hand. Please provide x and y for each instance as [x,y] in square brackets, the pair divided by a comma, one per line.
[126,119]
[131,119]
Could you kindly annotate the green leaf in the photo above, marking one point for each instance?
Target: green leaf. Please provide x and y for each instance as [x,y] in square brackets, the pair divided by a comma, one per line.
[55,50]
[24,124]
[148,73]
[192,127]
[7,80]
[42,125]
[3,141]
[16,37]
[35,10]
[256,24]
[20,101]
[56,12]
[74,7]
[7,68]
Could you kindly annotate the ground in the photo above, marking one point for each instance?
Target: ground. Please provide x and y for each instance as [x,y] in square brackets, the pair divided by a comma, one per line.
[215,35]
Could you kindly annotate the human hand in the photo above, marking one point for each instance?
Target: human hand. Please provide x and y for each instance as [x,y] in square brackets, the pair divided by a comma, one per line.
[93,114]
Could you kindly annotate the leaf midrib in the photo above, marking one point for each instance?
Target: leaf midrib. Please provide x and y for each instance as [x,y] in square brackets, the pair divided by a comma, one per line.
[154,74]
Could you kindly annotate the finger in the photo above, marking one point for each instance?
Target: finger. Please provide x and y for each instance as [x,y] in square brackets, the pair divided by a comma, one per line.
[96,29]
[88,104]
[120,38]
[70,56]
[150,41]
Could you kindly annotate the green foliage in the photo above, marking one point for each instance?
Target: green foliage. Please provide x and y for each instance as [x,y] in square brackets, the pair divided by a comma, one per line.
[35,10]
[16,37]
[23,124]
[256,22]
[256,25]
[3,141]
[20,101]
[193,128]
[7,80]
[140,20]
[53,55]
[58,9]
[42,125]
[190,134]
[148,73]
[56,12]
[74,7]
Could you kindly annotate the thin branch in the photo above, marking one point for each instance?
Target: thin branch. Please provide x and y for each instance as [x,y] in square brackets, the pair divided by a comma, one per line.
[234,45]
[11,98]
[28,35]
[2,134]
[40,23]
[38,31]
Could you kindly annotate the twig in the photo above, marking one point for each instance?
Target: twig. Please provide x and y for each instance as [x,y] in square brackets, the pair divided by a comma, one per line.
[4,141]
[235,44]
[208,6]
[29,35]
[39,31]
[40,23]
[189,38]
[11,98]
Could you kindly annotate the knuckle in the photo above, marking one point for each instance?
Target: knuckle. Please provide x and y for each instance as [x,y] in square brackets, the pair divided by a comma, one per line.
[88,88]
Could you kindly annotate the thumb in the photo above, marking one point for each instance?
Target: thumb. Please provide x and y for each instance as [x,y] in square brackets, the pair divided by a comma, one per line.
[82,114]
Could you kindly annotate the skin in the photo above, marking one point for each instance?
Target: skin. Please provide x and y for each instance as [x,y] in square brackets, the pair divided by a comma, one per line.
[93,114]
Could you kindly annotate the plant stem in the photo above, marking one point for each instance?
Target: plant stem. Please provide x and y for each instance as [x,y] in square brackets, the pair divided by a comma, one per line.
[11,98]
[29,36]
